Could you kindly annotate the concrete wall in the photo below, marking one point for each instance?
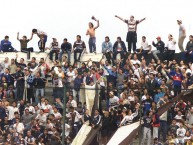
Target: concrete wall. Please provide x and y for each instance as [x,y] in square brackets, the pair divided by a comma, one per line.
[10,55]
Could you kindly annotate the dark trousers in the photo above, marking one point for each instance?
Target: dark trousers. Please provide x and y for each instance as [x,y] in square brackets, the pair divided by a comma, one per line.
[20,90]
[27,50]
[56,54]
[115,55]
[177,90]
[132,40]
[62,52]
[92,44]
[42,47]
[187,56]
[7,50]
[108,56]
[163,129]
[75,54]
[169,55]
[30,95]
[58,92]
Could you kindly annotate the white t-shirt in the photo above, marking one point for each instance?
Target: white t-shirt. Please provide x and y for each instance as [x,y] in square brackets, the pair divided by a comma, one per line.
[131,98]
[135,61]
[76,118]
[114,100]
[144,45]
[143,98]
[171,45]
[57,115]
[19,128]
[41,32]
[67,129]
[73,103]
[181,30]
[71,76]
[41,118]
[11,111]
[31,109]
[47,108]
[181,132]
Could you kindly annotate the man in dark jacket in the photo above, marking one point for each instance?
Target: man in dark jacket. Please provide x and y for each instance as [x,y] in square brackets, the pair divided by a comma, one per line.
[160,46]
[189,49]
[19,78]
[6,46]
[118,47]
[2,112]
[66,47]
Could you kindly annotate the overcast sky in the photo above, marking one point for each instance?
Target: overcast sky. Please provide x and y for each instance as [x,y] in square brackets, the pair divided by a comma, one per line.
[67,18]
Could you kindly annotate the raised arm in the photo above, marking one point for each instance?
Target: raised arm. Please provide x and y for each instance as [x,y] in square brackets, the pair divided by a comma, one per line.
[17,35]
[120,18]
[97,24]
[142,20]
[31,36]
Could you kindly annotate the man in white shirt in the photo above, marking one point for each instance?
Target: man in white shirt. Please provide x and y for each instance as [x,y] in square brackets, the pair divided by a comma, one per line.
[47,107]
[70,74]
[18,126]
[71,102]
[75,118]
[113,100]
[12,109]
[181,131]
[182,35]
[55,48]
[42,118]
[171,47]
[56,114]
[135,60]
[31,108]
[145,48]
[43,39]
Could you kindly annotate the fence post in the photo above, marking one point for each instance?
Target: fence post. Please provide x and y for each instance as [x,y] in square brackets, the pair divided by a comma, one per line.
[140,115]
[64,116]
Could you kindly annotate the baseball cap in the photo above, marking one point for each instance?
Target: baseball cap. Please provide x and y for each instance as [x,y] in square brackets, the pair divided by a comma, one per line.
[158,37]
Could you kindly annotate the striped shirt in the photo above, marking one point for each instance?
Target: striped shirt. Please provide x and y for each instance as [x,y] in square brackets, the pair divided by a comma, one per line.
[79,45]
[132,25]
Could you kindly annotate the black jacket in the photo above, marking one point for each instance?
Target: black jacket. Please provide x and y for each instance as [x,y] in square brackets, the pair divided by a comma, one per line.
[66,46]
[122,45]
[189,46]
[20,82]
[159,45]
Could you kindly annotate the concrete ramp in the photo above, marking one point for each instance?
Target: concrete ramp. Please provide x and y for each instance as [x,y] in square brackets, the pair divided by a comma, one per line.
[122,133]
[82,135]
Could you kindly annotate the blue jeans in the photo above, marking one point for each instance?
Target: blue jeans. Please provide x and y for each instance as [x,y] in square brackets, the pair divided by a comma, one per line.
[56,54]
[92,44]
[58,92]
[187,56]
[39,93]
[62,52]
[163,129]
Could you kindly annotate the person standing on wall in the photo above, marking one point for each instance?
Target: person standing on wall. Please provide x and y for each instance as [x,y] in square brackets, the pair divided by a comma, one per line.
[131,34]
[91,33]
[182,35]
[43,39]
[23,43]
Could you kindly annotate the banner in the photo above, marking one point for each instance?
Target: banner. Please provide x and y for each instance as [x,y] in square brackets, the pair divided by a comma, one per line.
[90,97]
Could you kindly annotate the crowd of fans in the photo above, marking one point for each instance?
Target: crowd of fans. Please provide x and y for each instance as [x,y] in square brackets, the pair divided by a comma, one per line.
[130,88]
